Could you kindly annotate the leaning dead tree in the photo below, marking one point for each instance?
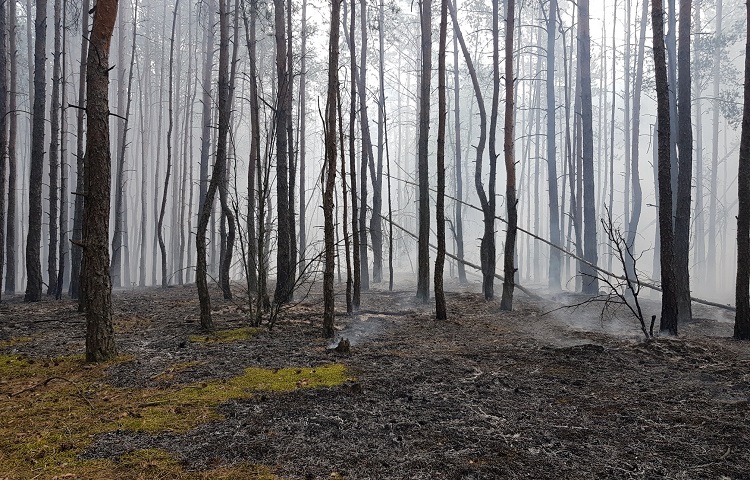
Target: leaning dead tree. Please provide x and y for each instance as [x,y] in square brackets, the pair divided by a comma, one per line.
[100,338]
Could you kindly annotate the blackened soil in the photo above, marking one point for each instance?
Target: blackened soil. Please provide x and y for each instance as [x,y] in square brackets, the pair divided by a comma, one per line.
[486,394]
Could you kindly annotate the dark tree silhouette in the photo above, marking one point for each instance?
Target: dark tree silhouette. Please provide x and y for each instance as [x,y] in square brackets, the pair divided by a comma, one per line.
[742,316]
[100,338]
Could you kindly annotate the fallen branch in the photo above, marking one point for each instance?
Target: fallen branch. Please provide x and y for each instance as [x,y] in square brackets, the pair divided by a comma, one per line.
[44,383]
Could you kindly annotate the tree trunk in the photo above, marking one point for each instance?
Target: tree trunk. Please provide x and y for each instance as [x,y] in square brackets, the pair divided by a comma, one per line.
[254,161]
[345,217]
[302,244]
[458,217]
[3,132]
[440,308]
[509,269]
[284,274]
[423,262]
[668,322]
[685,170]
[356,234]
[376,222]
[554,209]
[479,149]
[100,340]
[366,146]
[117,240]
[54,155]
[64,248]
[742,316]
[219,168]
[10,232]
[635,214]
[170,125]
[590,282]
[34,236]
[330,169]
[713,228]
[671,41]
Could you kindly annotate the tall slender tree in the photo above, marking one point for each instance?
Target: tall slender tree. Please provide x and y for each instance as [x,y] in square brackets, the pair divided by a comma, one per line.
[34,235]
[554,209]
[284,274]
[668,322]
[509,269]
[10,232]
[423,262]
[685,161]
[458,217]
[441,312]
[590,282]
[3,132]
[100,339]
[330,169]
[219,168]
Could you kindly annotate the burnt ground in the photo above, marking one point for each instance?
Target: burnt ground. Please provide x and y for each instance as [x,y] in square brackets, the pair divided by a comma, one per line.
[486,394]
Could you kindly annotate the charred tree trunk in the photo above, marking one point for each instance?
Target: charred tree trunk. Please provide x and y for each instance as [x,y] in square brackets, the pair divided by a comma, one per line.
[423,262]
[284,274]
[685,170]
[64,248]
[742,316]
[669,293]
[54,154]
[330,170]
[254,162]
[100,340]
[440,308]
[509,268]
[713,228]
[367,158]
[219,168]
[34,236]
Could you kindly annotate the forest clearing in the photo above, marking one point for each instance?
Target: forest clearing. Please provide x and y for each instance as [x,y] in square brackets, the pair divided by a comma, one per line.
[485,394]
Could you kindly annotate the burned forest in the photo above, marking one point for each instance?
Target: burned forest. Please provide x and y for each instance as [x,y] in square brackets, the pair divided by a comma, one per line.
[270,239]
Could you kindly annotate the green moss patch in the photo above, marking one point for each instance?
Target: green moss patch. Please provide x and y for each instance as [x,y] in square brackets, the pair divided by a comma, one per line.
[52,409]
[226,336]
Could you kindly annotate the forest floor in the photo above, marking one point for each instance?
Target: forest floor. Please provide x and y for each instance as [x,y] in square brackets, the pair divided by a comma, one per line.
[486,394]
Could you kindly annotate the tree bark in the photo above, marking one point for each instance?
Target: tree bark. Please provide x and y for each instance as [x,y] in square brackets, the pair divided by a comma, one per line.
[685,170]
[3,132]
[440,307]
[219,169]
[668,322]
[34,235]
[254,162]
[283,292]
[714,198]
[356,234]
[100,340]
[423,262]
[302,243]
[742,316]
[509,269]
[10,232]
[330,170]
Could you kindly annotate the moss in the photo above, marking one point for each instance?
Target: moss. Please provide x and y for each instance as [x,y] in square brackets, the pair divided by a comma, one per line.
[12,342]
[226,336]
[53,408]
